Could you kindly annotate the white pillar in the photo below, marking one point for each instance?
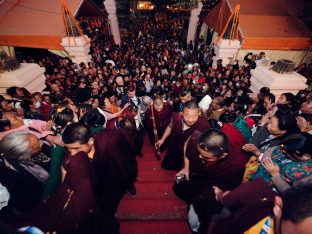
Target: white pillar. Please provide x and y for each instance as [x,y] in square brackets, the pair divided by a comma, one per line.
[110,6]
[191,33]
[29,75]
[225,50]
[78,48]
[263,76]
[9,50]
[204,31]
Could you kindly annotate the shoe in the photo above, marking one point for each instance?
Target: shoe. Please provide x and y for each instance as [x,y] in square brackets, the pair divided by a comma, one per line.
[132,190]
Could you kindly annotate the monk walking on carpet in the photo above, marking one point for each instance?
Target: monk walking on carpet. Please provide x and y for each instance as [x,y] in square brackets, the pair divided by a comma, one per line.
[179,130]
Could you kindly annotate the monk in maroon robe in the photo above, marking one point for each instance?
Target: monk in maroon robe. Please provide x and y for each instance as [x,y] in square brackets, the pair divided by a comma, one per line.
[72,207]
[178,131]
[115,164]
[100,172]
[209,161]
[162,114]
[115,167]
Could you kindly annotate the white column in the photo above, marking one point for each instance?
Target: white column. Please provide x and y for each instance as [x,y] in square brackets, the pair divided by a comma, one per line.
[191,33]
[110,6]
[29,75]
[278,83]
[225,50]
[78,48]
[9,50]
[204,31]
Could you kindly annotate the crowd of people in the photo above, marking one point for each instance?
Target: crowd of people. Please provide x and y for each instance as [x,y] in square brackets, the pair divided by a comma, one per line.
[68,154]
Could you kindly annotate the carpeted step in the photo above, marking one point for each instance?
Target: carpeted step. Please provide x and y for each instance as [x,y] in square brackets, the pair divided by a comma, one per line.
[150,157]
[155,190]
[148,148]
[156,176]
[154,209]
[151,165]
[154,227]
[151,209]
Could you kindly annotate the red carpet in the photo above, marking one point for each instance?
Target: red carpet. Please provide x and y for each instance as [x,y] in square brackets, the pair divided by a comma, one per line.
[154,209]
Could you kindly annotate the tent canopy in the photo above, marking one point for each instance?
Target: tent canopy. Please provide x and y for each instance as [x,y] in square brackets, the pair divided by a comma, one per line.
[263,24]
[36,23]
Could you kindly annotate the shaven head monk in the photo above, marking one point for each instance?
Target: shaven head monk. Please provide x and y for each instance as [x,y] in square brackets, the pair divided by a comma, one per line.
[162,115]
[179,130]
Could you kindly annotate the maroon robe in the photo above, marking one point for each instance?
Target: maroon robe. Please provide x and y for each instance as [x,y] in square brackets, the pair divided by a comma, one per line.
[226,174]
[173,159]
[162,120]
[115,166]
[72,207]
[249,203]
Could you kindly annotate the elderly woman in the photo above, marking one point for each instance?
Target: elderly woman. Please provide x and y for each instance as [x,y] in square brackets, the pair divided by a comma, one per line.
[280,125]
[290,163]
[289,166]
[23,178]
[71,208]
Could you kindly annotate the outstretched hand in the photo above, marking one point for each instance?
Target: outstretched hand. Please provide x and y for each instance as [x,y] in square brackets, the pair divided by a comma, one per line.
[252,149]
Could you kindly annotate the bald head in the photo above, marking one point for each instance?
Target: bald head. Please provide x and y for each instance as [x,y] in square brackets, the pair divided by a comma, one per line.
[158,101]
[191,105]
[217,103]
[214,141]
[158,104]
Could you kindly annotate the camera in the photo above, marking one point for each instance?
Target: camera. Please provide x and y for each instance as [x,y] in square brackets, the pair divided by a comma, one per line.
[180,178]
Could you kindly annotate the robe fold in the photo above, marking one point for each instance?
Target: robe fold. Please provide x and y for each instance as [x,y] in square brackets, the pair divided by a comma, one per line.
[248,203]
[115,166]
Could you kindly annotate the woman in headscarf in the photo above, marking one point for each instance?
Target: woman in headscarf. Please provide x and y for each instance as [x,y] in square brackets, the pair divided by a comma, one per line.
[23,178]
